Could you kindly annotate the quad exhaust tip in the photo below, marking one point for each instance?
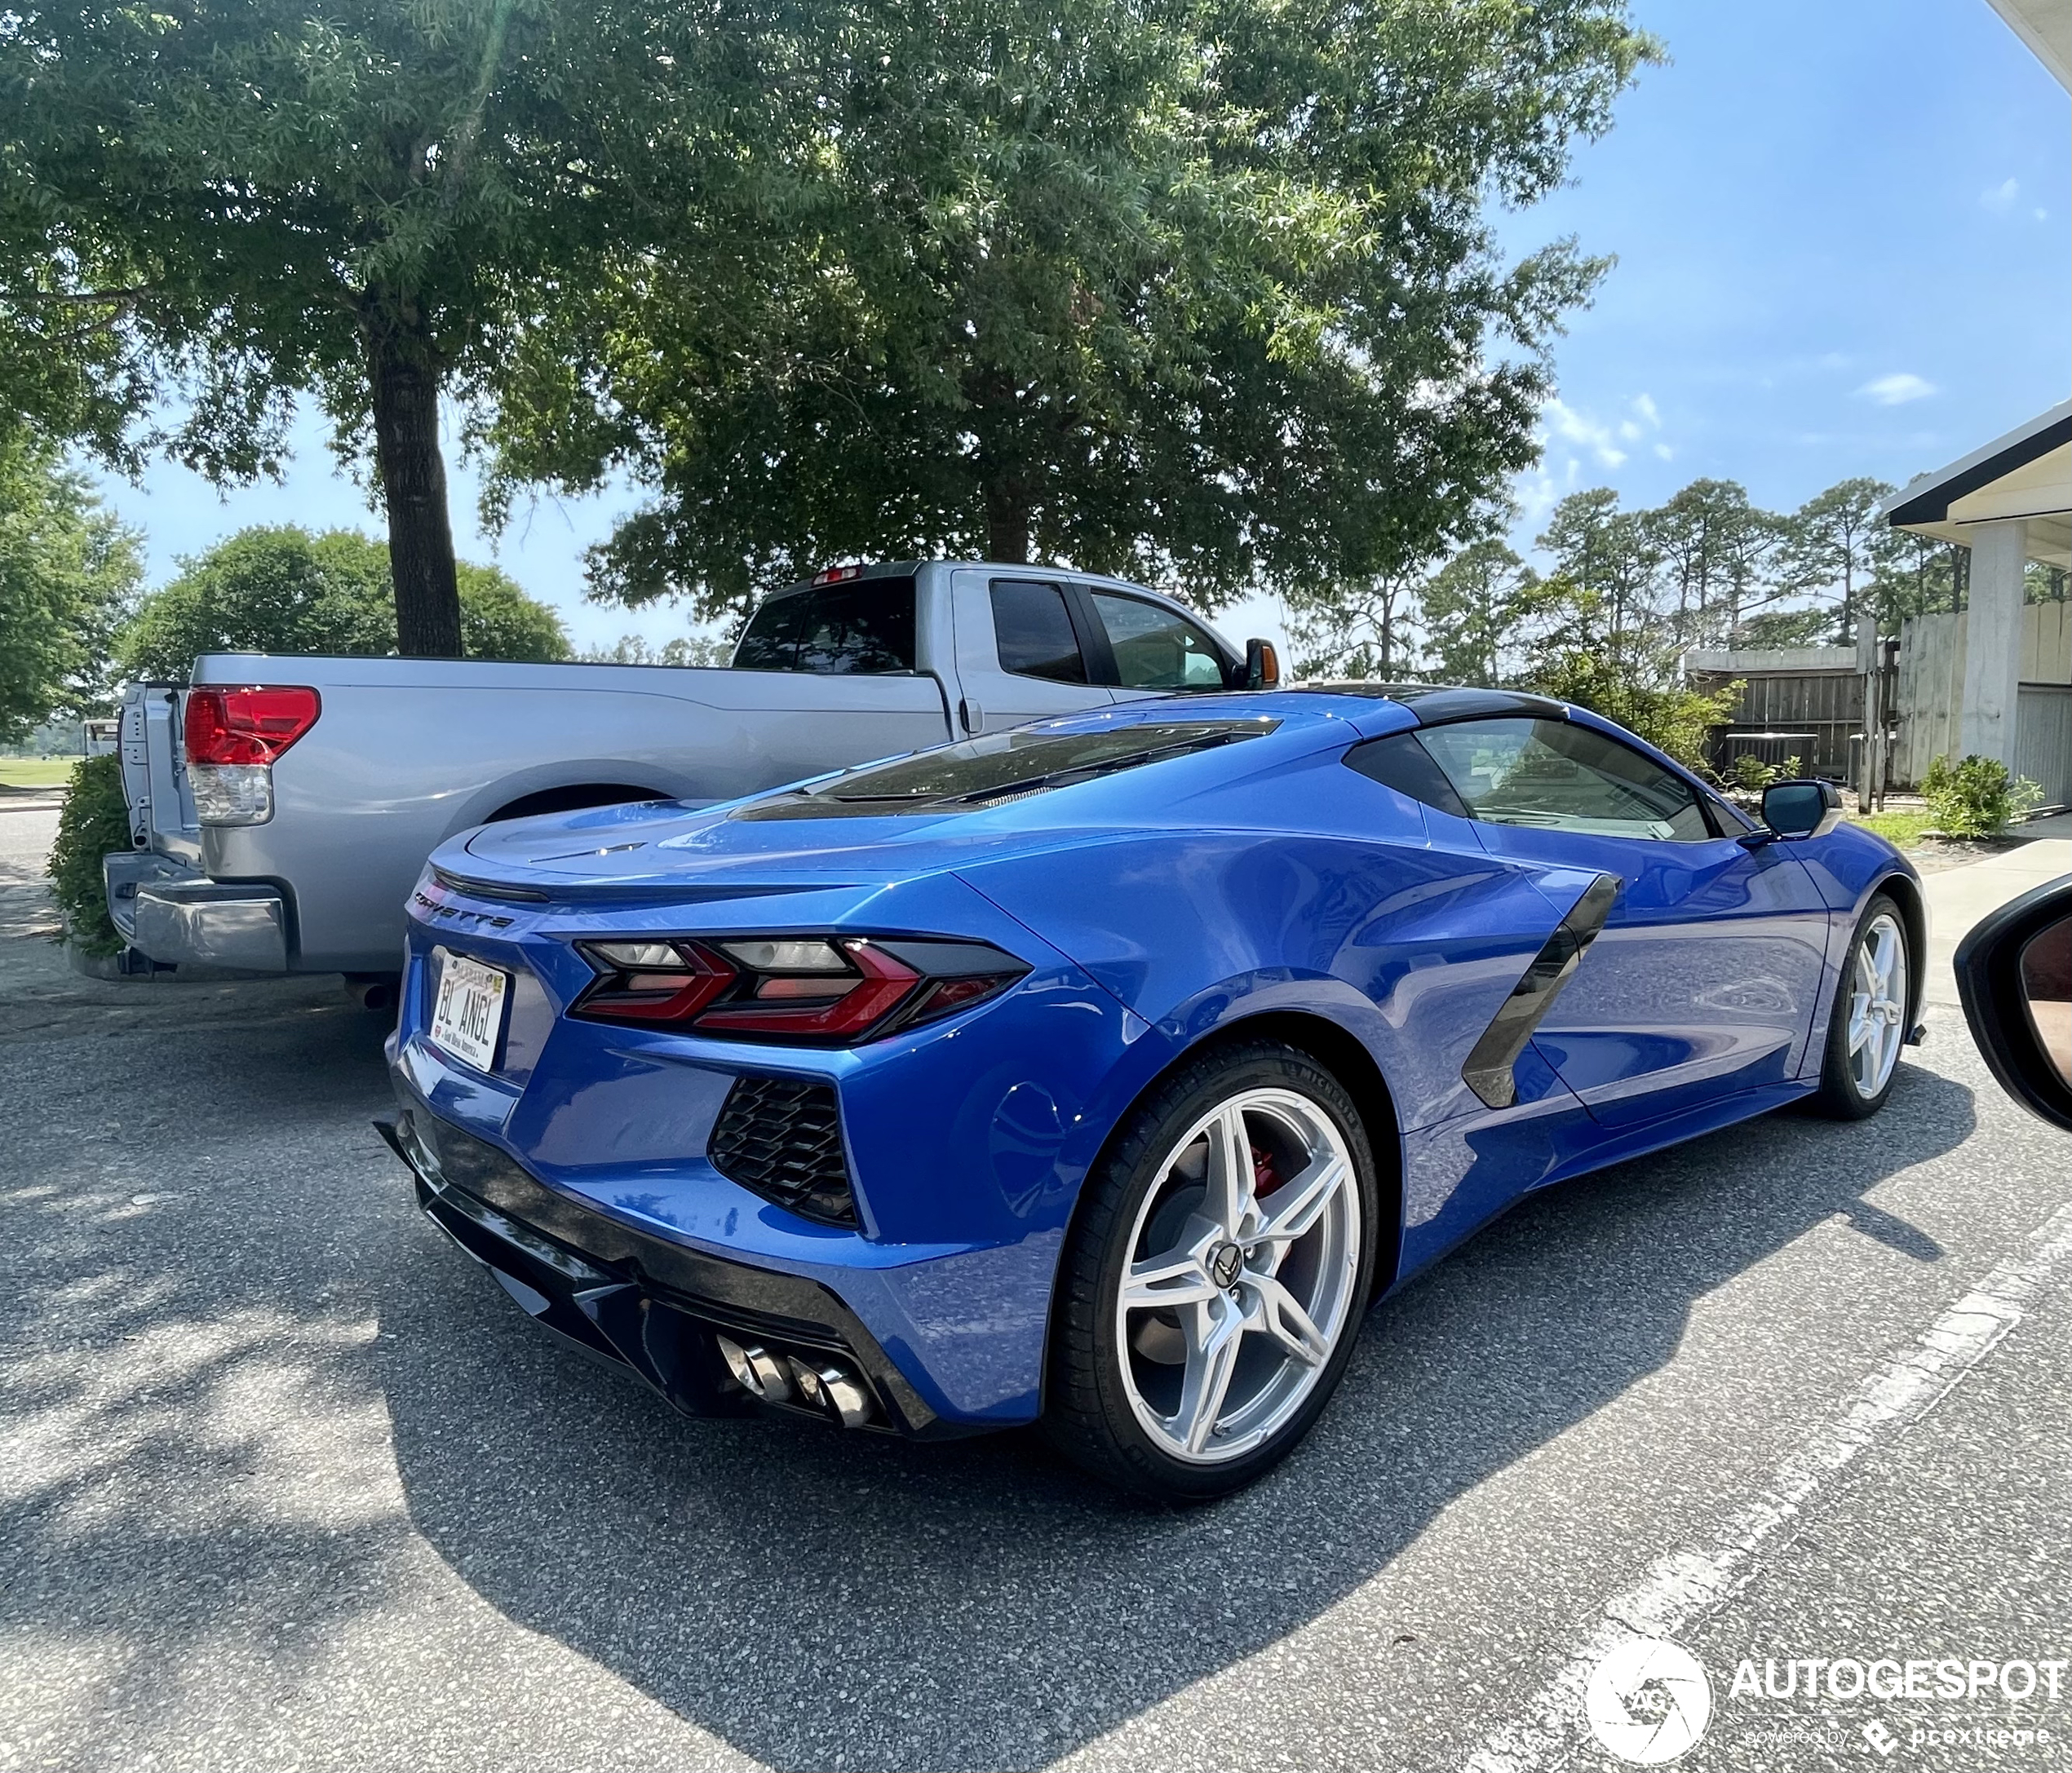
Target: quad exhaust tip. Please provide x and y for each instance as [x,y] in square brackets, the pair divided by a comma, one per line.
[818,1383]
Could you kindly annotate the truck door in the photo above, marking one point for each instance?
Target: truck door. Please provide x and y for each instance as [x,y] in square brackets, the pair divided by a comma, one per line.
[1022,649]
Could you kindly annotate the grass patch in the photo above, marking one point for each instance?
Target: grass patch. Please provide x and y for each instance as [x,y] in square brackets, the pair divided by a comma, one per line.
[36,771]
[1902,828]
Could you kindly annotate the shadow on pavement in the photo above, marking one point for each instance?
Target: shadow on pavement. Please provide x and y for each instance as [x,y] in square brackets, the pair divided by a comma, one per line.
[819,1601]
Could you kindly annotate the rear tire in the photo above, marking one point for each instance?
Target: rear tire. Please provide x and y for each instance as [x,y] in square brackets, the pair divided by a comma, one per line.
[1871,1017]
[1216,1278]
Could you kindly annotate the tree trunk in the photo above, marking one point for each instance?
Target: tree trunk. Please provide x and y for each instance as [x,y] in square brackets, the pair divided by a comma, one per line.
[1007,519]
[403,376]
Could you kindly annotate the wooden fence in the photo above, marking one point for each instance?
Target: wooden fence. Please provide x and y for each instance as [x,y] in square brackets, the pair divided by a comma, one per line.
[1810,694]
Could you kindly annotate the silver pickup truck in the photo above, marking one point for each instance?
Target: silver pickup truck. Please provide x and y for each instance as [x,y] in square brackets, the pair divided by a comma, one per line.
[280,807]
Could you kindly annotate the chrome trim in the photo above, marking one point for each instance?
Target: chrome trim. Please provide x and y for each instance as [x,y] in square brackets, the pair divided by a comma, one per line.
[212,923]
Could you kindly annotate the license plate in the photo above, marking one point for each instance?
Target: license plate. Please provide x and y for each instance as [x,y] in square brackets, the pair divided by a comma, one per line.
[467,1020]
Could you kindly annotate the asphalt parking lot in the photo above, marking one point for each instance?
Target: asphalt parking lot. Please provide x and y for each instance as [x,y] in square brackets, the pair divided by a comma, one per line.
[285,1483]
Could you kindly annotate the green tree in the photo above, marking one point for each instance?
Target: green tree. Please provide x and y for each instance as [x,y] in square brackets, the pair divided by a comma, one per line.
[685,650]
[1479,608]
[1832,542]
[1714,545]
[284,590]
[1912,576]
[1611,563]
[68,570]
[499,621]
[1787,628]
[210,209]
[1360,631]
[1204,293]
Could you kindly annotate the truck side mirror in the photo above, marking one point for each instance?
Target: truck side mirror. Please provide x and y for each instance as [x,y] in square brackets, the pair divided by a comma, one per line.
[2014,978]
[1804,809]
[1262,666]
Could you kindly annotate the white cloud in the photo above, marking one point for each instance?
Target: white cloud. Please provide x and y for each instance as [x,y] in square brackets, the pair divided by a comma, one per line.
[1897,389]
[1579,429]
[2000,198]
[1601,439]
[1664,451]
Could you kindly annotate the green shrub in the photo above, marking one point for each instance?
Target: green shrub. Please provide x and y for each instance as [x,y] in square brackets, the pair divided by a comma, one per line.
[96,820]
[1978,797]
[1750,773]
[1676,720]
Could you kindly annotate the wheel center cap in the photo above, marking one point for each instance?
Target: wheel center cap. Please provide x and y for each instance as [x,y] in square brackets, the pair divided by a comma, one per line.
[1226,1261]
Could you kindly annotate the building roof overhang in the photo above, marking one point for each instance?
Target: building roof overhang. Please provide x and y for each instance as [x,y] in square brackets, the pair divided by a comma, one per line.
[2046,27]
[2026,474]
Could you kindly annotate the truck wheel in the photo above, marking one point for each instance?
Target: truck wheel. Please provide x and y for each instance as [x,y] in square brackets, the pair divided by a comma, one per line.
[1215,1282]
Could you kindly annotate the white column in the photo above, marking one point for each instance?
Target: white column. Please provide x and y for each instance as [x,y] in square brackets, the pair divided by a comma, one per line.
[1993,639]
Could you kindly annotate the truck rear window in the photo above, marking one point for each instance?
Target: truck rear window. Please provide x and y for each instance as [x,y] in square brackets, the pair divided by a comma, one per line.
[865,625]
[999,767]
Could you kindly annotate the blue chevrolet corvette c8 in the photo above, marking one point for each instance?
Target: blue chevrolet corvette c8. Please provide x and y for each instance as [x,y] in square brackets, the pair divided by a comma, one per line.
[1102,1072]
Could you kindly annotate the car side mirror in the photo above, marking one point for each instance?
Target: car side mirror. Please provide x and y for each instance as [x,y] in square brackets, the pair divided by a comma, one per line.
[2014,978]
[1262,666]
[1805,809]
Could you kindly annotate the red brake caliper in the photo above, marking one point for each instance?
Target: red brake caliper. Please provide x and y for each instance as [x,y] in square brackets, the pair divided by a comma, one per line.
[1265,1178]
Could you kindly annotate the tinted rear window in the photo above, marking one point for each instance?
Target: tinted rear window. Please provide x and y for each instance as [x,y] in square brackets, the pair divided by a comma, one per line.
[865,625]
[1001,766]
[1033,631]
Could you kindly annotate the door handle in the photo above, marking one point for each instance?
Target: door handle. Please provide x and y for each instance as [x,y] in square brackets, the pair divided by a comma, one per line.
[971,715]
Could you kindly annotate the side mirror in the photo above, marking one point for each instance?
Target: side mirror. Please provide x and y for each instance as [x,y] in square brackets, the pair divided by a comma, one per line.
[1807,809]
[1262,666]
[2014,978]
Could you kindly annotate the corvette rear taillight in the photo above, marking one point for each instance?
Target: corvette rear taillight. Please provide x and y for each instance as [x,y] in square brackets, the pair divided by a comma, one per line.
[831,990]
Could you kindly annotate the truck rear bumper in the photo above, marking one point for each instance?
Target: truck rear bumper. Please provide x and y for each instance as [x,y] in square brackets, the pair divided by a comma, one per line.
[180,918]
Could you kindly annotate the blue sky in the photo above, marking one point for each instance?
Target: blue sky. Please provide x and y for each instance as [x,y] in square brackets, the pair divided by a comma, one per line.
[1843,230]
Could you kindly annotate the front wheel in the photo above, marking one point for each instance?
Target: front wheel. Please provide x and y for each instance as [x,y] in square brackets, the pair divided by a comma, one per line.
[1868,1023]
[1216,1279]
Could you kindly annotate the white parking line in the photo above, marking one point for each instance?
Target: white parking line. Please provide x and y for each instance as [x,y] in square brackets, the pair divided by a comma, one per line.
[1682,1587]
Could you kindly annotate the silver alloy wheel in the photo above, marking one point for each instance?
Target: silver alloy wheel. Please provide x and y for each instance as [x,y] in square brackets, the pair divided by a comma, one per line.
[1878,1000]
[1242,1265]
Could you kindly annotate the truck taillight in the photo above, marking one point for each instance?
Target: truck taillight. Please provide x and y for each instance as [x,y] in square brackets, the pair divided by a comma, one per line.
[232,736]
[251,724]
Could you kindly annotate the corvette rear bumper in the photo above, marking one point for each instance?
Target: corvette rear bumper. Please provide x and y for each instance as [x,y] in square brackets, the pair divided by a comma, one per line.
[682,1321]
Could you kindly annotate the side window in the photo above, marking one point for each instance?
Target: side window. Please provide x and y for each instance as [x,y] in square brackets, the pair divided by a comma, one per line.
[1032,630]
[837,630]
[1154,648]
[1399,761]
[1560,777]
